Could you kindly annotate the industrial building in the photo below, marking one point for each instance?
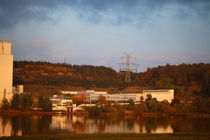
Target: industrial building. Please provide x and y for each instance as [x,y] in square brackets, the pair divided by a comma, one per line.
[160,95]
[6,70]
[64,103]
[92,96]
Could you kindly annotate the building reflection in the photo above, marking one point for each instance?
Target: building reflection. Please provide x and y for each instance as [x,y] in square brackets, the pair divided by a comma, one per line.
[109,125]
[57,124]
[5,127]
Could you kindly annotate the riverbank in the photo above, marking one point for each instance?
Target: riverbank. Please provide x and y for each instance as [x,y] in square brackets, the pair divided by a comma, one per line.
[13,112]
[154,115]
[19,112]
[176,136]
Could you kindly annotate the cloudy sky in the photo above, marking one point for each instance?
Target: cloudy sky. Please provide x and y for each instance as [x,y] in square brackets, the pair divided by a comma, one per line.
[99,32]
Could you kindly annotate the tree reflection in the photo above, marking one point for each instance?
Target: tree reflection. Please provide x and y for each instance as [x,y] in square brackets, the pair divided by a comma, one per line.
[47,124]
[44,123]
[157,125]
[130,124]
[16,125]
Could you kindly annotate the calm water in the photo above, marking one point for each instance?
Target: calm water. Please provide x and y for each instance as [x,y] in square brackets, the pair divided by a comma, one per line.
[55,124]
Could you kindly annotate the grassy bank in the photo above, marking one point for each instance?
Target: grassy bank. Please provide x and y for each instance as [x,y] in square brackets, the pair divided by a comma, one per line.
[179,136]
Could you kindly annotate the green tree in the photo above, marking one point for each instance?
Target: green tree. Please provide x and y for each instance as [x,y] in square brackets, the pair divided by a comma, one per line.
[26,101]
[141,100]
[15,103]
[5,104]
[151,103]
[41,101]
[131,102]
[175,101]
[45,103]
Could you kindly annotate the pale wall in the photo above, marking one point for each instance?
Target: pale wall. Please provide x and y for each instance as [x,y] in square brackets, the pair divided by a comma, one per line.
[5,48]
[6,75]
[160,95]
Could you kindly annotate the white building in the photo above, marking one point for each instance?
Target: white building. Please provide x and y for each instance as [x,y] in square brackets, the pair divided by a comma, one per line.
[92,96]
[18,89]
[161,94]
[120,98]
[61,104]
[6,70]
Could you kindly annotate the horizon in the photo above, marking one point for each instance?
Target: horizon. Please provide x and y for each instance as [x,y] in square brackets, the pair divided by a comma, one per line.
[91,32]
[109,66]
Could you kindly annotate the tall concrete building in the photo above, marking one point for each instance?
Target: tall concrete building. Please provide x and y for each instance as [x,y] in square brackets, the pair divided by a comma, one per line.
[6,70]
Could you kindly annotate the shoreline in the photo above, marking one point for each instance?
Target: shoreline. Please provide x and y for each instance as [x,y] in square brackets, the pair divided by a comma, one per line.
[19,112]
[142,115]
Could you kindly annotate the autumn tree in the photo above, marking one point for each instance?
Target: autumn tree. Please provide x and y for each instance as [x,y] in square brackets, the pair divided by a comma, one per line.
[5,104]
[79,99]
[101,100]
[26,101]
[206,83]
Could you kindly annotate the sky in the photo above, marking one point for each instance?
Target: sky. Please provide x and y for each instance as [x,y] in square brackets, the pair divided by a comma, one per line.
[101,32]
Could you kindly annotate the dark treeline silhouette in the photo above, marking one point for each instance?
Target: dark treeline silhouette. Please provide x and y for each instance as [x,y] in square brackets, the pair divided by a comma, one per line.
[193,79]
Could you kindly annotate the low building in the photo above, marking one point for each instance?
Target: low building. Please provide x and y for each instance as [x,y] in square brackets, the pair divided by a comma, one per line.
[92,96]
[18,89]
[118,98]
[160,95]
[61,104]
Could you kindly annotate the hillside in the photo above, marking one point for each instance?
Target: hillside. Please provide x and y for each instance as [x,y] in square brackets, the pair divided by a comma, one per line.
[46,78]
[186,79]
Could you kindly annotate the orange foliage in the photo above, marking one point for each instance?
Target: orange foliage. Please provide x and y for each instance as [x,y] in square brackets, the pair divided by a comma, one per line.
[102,100]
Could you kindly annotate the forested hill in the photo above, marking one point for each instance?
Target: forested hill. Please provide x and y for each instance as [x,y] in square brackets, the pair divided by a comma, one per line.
[57,74]
[193,79]
[185,78]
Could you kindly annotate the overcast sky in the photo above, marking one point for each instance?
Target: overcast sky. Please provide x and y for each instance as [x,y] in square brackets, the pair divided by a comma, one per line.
[99,32]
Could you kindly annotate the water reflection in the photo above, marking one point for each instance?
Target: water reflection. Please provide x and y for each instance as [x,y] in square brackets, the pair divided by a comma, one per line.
[5,127]
[47,124]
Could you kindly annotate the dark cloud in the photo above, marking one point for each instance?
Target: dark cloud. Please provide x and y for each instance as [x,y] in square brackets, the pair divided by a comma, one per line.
[14,11]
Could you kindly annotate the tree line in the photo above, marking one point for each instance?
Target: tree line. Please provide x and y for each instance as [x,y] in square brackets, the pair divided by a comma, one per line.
[150,105]
[179,77]
[24,102]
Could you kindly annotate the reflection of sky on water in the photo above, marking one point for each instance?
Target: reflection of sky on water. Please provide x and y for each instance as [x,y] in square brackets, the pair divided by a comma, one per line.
[33,125]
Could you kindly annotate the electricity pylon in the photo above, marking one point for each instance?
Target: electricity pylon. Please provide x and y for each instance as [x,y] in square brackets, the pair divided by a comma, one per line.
[127,65]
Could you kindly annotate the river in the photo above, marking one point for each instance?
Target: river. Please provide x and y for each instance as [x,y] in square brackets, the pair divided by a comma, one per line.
[58,124]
